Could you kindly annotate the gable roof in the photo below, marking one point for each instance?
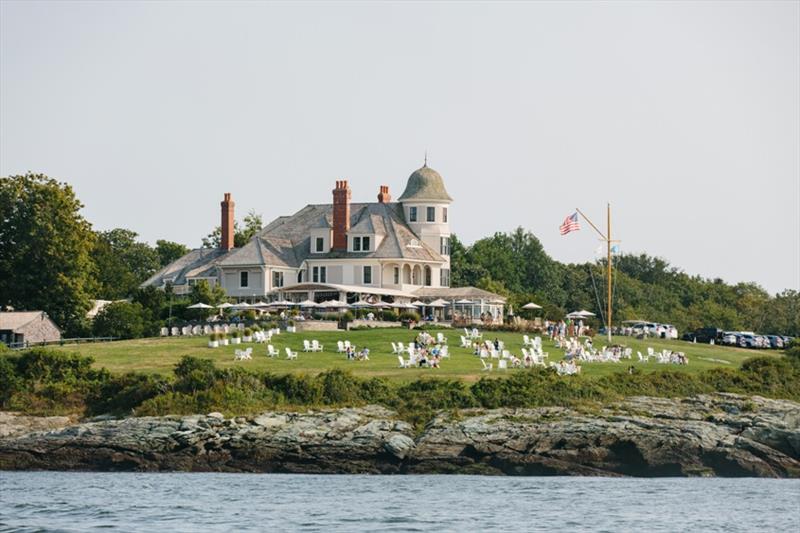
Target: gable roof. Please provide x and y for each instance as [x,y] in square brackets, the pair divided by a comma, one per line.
[197,263]
[16,320]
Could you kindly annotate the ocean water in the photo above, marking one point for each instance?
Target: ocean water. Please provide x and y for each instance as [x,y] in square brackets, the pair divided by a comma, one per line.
[60,501]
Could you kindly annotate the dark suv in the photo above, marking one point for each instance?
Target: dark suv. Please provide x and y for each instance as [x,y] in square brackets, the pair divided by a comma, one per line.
[704,335]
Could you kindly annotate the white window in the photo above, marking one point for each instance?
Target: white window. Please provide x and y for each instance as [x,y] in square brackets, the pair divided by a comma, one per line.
[444,245]
[397,275]
[412,214]
[444,277]
[319,274]
[444,214]
[367,275]
[319,244]
[431,214]
[277,279]
[244,279]
[361,244]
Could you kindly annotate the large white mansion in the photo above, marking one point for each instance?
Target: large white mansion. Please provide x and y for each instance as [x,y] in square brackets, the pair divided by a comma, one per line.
[377,250]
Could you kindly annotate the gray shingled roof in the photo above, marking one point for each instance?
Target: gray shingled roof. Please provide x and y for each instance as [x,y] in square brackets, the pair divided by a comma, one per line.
[425,184]
[293,232]
[197,263]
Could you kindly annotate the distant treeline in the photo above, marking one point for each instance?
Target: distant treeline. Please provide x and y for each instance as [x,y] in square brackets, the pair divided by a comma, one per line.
[649,288]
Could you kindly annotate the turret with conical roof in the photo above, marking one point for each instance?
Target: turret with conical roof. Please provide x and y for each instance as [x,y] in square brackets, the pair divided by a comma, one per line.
[425,184]
[426,204]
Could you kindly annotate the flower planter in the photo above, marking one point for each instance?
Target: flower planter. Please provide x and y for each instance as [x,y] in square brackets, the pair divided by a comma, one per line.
[247,339]
[291,329]
[236,340]
[213,344]
[224,342]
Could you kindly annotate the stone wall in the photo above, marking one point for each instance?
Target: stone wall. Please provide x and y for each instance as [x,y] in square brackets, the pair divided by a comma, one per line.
[316,325]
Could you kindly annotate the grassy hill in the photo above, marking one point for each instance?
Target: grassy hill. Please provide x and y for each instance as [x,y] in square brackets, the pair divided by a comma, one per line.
[159,355]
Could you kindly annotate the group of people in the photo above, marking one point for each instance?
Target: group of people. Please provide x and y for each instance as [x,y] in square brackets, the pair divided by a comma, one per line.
[353,355]
[564,328]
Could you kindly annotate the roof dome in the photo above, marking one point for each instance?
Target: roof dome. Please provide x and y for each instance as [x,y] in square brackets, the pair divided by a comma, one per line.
[425,184]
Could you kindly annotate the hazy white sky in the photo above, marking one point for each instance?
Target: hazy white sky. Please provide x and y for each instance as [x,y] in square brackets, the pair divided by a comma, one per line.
[685,116]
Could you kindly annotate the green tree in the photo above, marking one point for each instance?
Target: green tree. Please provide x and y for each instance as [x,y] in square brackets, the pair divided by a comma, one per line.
[169,251]
[241,236]
[45,245]
[124,320]
[122,263]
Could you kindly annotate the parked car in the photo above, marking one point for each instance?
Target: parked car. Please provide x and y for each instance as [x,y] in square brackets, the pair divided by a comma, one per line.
[730,338]
[747,340]
[775,342]
[705,335]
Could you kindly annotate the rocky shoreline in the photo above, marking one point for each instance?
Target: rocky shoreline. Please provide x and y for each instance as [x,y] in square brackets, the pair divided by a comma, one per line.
[707,435]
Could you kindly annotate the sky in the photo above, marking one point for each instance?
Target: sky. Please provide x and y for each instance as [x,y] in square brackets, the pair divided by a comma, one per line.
[684,116]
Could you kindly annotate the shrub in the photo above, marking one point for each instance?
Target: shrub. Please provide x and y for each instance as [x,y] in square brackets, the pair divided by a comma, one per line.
[235,334]
[194,374]
[248,332]
[340,387]
[409,316]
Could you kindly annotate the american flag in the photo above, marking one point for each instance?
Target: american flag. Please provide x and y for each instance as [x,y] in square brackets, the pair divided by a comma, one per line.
[570,224]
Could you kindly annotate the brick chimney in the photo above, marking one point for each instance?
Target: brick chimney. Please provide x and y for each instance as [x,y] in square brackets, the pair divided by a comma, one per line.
[383,196]
[226,235]
[341,215]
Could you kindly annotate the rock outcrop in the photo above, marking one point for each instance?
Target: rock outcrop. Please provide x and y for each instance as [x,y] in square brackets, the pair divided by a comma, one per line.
[720,434]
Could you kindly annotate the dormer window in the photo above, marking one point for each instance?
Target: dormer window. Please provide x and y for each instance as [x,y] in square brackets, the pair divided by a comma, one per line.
[319,245]
[412,214]
[431,214]
[361,244]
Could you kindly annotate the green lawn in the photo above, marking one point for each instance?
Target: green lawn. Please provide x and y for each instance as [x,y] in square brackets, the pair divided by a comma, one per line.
[160,354]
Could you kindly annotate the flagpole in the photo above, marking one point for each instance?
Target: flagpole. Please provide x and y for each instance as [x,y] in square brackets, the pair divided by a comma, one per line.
[608,232]
[606,238]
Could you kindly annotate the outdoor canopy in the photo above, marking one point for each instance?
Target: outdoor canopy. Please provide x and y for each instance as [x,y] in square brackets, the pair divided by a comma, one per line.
[225,305]
[531,305]
[200,305]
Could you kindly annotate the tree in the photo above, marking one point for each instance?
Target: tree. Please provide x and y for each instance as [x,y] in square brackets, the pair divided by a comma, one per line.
[169,251]
[202,292]
[124,320]
[252,225]
[122,263]
[45,245]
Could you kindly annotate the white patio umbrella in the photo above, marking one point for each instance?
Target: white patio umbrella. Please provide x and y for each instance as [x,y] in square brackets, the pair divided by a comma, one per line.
[584,312]
[361,304]
[381,305]
[397,305]
[282,303]
[439,303]
[334,304]
[417,303]
[200,305]
[224,305]
[463,301]
[309,303]
[531,305]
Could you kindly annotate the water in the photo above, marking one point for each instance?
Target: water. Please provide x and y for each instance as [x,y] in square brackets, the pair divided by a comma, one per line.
[59,501]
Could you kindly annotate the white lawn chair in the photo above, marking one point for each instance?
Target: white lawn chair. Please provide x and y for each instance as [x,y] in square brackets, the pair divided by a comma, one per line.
[486,366]
[164,332]
[502,364]
[340,347]
[476,334]
[174,332]
[444,352]
[403,363]
[440,338]
[465,342]
[306,345]
[272,351]
[290,354]
[347,344]
[316,346]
